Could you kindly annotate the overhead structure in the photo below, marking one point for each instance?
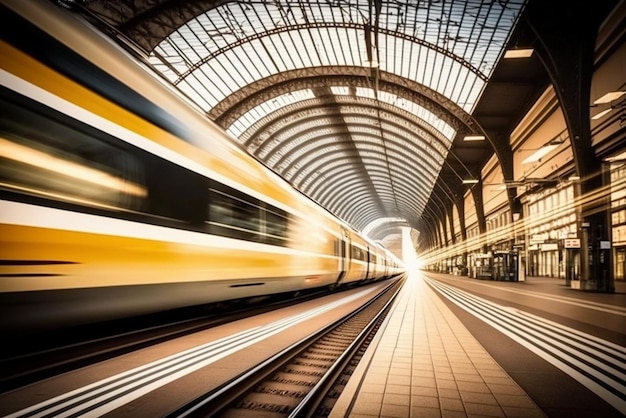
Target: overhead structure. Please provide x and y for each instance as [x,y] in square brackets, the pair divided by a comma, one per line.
[360,104]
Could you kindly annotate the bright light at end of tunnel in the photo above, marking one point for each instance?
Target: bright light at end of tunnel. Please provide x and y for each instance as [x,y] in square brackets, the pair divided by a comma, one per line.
[408,252]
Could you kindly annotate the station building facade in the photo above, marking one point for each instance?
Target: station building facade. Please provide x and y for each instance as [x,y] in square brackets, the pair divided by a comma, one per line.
[545,233]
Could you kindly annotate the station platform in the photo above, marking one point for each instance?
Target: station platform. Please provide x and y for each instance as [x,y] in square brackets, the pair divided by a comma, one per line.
[425,363]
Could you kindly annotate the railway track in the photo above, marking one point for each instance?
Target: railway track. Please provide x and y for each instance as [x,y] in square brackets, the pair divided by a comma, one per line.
[63,351]
[305,379]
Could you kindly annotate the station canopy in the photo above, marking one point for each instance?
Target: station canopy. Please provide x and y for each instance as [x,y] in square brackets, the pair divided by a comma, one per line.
[356,103]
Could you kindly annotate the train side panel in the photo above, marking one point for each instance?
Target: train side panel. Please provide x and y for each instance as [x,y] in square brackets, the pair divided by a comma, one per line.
[118,198]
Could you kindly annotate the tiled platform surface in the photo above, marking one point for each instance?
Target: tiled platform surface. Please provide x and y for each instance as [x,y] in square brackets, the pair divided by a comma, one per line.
[424,363]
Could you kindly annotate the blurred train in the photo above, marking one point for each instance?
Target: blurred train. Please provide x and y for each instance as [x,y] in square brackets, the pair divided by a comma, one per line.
[119,198]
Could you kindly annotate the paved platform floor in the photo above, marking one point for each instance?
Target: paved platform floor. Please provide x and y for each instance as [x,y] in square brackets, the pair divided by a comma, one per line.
[425,363]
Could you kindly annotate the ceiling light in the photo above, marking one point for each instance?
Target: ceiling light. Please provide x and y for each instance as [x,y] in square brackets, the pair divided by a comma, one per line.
[518,53]
[604,112]
[540,153]
[609,97]
[615,158]
[470,181]
[474,138]
[496,186]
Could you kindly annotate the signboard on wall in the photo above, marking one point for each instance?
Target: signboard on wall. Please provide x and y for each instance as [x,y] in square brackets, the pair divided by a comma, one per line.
[549,247]
[538,238]
[572,243]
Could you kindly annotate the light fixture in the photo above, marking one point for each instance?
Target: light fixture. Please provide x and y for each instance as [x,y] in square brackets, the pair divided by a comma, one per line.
[604,112]
[616,158]
[474,138]
[574,177]
[497,186]
[518,53]
[609,97]
[470,181]
[541,152]
[508,184]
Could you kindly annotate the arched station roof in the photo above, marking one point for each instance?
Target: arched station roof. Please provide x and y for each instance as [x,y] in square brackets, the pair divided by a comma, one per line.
[360,104]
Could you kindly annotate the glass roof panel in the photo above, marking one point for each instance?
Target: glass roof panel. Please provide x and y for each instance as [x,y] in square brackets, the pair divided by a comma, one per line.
[414,154]
[449,47]
[415,109]
[364,137]
[380,222]
[286,142]
[306,154]
[246,41]
[340,90]
[262,110]
[357,191]
[319,177]
[327,193]
[403,185]
[390,122]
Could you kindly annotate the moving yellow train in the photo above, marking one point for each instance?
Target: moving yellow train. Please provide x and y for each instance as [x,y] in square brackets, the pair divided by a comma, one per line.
[119,198]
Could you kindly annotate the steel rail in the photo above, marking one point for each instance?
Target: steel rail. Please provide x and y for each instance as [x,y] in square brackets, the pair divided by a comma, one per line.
[215,402]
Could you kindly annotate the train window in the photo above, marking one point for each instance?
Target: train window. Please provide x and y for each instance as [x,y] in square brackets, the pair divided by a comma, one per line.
[276,222]
[233,217]
[236,215]
[46,155]
[358,253]
[176,194]
[337,247]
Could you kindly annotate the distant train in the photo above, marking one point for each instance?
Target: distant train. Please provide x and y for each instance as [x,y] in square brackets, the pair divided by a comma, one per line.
[120,198]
